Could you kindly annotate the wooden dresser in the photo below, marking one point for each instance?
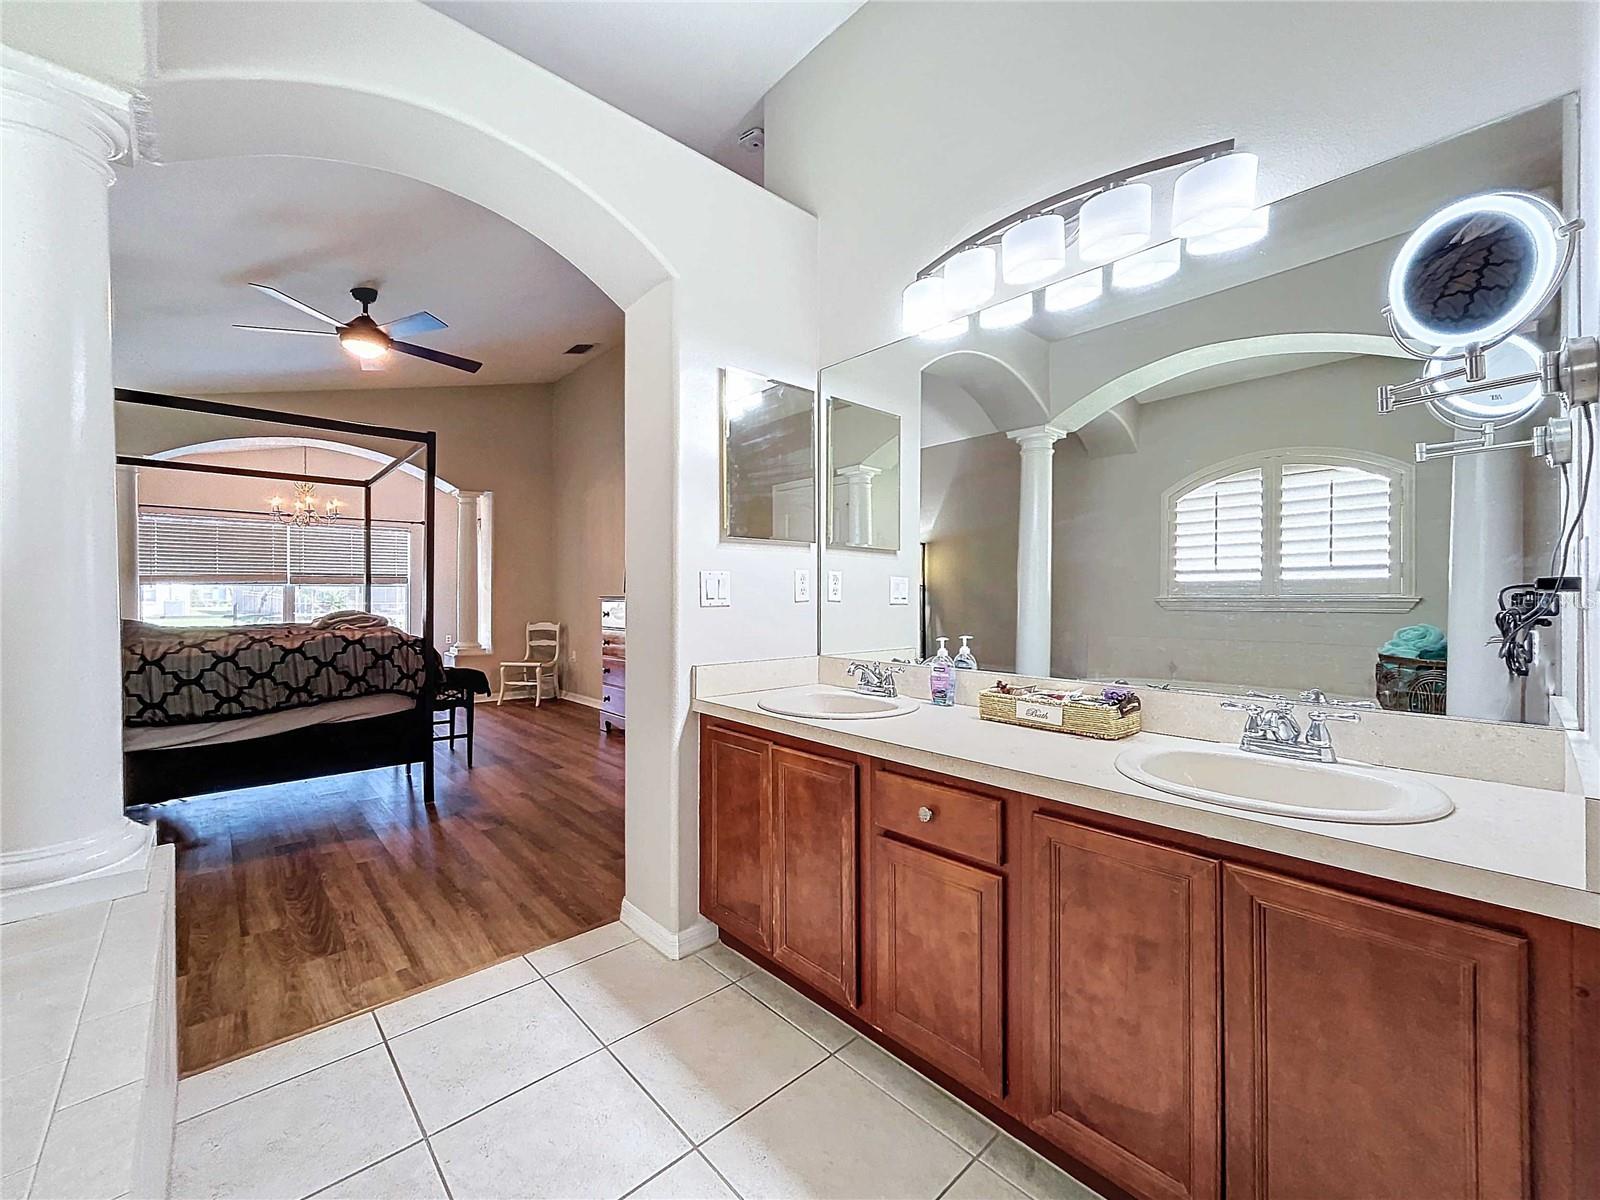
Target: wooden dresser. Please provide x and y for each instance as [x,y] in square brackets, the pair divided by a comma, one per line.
[613,664]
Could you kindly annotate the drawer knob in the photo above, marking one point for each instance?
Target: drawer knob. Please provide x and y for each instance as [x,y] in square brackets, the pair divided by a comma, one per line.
[924,814]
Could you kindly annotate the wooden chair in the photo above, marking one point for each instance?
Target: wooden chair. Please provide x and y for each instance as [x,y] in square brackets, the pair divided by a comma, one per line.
[540,664]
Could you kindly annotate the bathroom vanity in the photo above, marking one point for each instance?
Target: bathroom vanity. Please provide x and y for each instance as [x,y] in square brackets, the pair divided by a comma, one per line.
[1171,1000]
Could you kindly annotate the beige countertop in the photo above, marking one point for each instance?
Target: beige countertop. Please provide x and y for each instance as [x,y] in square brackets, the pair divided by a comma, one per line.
[1520,847]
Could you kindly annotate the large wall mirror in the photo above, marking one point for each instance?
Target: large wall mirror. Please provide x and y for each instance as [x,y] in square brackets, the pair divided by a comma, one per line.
[768,459]
[1188,485]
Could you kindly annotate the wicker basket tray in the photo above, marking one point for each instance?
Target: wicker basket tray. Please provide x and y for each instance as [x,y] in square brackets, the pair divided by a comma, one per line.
[1085,720]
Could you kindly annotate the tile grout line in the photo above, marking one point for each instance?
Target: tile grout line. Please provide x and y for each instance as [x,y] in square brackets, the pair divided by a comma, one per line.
[289,1078]
[375,1162]
[415,1115]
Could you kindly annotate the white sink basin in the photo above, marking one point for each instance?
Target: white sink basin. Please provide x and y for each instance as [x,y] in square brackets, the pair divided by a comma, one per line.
[835,704]
[1319,791]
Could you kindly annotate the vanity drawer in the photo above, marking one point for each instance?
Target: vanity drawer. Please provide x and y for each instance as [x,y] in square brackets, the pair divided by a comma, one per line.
[961,822]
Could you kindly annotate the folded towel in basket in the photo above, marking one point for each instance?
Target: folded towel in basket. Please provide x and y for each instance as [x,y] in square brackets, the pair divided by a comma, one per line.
[1417,641]
[350,618]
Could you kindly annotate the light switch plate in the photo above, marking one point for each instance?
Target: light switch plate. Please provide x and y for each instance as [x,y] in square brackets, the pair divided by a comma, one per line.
[899,589]
[835,586]
[802,585]
[716,589]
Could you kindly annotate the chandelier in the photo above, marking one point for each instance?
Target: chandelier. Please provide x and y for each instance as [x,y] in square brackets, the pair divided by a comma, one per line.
[305,509]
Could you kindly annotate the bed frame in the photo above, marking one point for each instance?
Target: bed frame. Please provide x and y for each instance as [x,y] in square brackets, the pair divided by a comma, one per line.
[394,739]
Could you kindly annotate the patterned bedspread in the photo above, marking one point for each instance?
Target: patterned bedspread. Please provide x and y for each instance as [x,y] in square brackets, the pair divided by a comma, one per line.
[178,676]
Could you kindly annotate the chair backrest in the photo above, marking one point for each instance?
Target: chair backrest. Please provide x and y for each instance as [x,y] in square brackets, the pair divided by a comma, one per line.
[544,642]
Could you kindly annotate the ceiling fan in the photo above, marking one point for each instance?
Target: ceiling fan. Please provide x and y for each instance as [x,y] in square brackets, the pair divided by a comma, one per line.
[363,337]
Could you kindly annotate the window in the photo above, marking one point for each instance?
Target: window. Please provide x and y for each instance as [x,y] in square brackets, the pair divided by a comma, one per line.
[1295,529]
[214,570]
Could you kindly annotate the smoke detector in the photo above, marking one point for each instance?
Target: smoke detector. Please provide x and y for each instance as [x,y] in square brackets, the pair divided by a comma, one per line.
[753,138]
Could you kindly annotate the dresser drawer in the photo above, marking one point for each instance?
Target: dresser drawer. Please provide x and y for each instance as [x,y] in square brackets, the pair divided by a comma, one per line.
[948,818]
[613,673]
[614,700]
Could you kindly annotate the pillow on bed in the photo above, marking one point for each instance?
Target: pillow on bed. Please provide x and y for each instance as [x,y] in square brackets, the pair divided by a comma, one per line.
[350,618]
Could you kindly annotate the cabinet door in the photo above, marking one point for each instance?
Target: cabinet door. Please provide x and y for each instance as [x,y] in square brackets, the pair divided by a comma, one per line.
[938,972]
[1125,993]
[735,832]
[814,863]
[1372,1051]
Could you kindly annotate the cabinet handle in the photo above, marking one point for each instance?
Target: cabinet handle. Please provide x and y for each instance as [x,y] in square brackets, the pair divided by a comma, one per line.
[924,814]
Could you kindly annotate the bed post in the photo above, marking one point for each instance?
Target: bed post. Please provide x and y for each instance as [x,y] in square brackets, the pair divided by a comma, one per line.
[430,473]
[366,545]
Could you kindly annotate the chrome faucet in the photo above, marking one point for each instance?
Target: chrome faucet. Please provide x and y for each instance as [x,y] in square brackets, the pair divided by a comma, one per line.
[1274,731]
[875,679]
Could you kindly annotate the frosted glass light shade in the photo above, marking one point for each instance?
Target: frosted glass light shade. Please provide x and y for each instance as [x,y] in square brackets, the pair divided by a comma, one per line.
[1147,267]
[1007,313]
[1114,223]
[1214,195]
[950,329]
[1247,232]
[1034,250]
[969,278]
[922,305]
[1075,292]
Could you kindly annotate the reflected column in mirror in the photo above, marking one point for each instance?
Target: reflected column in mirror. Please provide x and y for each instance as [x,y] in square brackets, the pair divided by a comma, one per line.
[864,477]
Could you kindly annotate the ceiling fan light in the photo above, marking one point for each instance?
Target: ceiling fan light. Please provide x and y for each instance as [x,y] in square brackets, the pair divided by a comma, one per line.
[1214,195]
[1033,250]
[1250,230]
[1147,267]
[1114,222]
[364,343]
[922,304]
[1075,292]
[969,278]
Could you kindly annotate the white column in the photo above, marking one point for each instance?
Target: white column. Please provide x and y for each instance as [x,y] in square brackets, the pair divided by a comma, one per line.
[1485,556]
[856,483]
[63,837]
[128,542]
[1034,533]
[469,632]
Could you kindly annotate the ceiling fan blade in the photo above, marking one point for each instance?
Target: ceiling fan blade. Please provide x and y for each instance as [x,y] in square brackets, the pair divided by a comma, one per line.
[438,356]
[275,329]
[417,322]
[293,303]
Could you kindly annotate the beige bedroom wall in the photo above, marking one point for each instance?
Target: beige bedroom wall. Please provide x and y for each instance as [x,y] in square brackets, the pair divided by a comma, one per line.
[494,438]
[587,478]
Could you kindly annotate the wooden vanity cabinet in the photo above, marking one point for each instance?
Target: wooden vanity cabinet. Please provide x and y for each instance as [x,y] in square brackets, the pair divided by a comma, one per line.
[736,834]
[1126,1038]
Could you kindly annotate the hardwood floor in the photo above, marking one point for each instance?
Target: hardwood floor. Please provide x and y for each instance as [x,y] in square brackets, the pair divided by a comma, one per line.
[302,903]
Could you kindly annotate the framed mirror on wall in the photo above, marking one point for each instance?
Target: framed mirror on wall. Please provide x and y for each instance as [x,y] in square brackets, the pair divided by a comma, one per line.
[768,459]
[1183,479]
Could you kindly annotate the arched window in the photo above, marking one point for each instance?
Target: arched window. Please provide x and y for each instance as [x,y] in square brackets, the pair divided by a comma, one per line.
[1296,529]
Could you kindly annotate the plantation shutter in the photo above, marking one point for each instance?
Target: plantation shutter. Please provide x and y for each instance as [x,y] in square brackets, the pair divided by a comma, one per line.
[197,549]
[1217,531]
[1335,524]
[334,554]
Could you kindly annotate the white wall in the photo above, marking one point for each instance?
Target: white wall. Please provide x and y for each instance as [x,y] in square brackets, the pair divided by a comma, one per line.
[916,124]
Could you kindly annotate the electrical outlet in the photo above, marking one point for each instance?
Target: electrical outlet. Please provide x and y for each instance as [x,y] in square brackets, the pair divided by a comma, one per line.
[835,587]
[899,589]
[802,585]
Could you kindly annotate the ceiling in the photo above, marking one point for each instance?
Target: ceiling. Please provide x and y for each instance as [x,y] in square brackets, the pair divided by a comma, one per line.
[694,69]
[187,238]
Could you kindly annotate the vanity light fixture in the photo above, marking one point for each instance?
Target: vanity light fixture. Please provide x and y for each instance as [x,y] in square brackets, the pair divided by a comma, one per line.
[969,278]
[1075,291]
[1034,249]
[1250,229]
[1107,218]
[1147,267]
[923,305]
[950,329]
[1007,313]
[1214,195]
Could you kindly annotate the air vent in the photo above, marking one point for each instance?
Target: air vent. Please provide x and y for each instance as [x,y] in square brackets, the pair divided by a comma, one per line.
[580,348]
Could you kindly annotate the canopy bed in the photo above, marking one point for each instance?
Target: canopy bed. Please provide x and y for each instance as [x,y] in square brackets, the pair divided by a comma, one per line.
[215,709]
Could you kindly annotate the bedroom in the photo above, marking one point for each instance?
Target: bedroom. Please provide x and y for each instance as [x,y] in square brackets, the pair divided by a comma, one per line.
[301,902]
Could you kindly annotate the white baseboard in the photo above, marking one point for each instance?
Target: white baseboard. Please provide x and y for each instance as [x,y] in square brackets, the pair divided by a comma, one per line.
[674,945]
[586,701]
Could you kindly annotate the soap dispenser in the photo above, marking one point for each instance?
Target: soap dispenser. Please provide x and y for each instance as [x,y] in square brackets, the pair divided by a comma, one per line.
[942,677]
[965,659]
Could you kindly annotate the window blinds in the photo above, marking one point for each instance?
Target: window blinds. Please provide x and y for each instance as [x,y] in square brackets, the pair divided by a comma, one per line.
[181,548]
[1217,531]
[1335,523]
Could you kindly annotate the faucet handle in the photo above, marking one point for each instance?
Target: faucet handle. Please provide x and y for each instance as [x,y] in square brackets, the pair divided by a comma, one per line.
[1255,710]
[1317,717]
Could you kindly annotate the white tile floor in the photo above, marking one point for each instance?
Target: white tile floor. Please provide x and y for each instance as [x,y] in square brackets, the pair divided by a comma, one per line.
[596,1068]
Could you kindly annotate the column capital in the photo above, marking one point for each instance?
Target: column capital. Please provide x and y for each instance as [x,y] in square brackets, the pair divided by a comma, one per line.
[1036,437]
[83,116]
[857,472]
[467,496]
